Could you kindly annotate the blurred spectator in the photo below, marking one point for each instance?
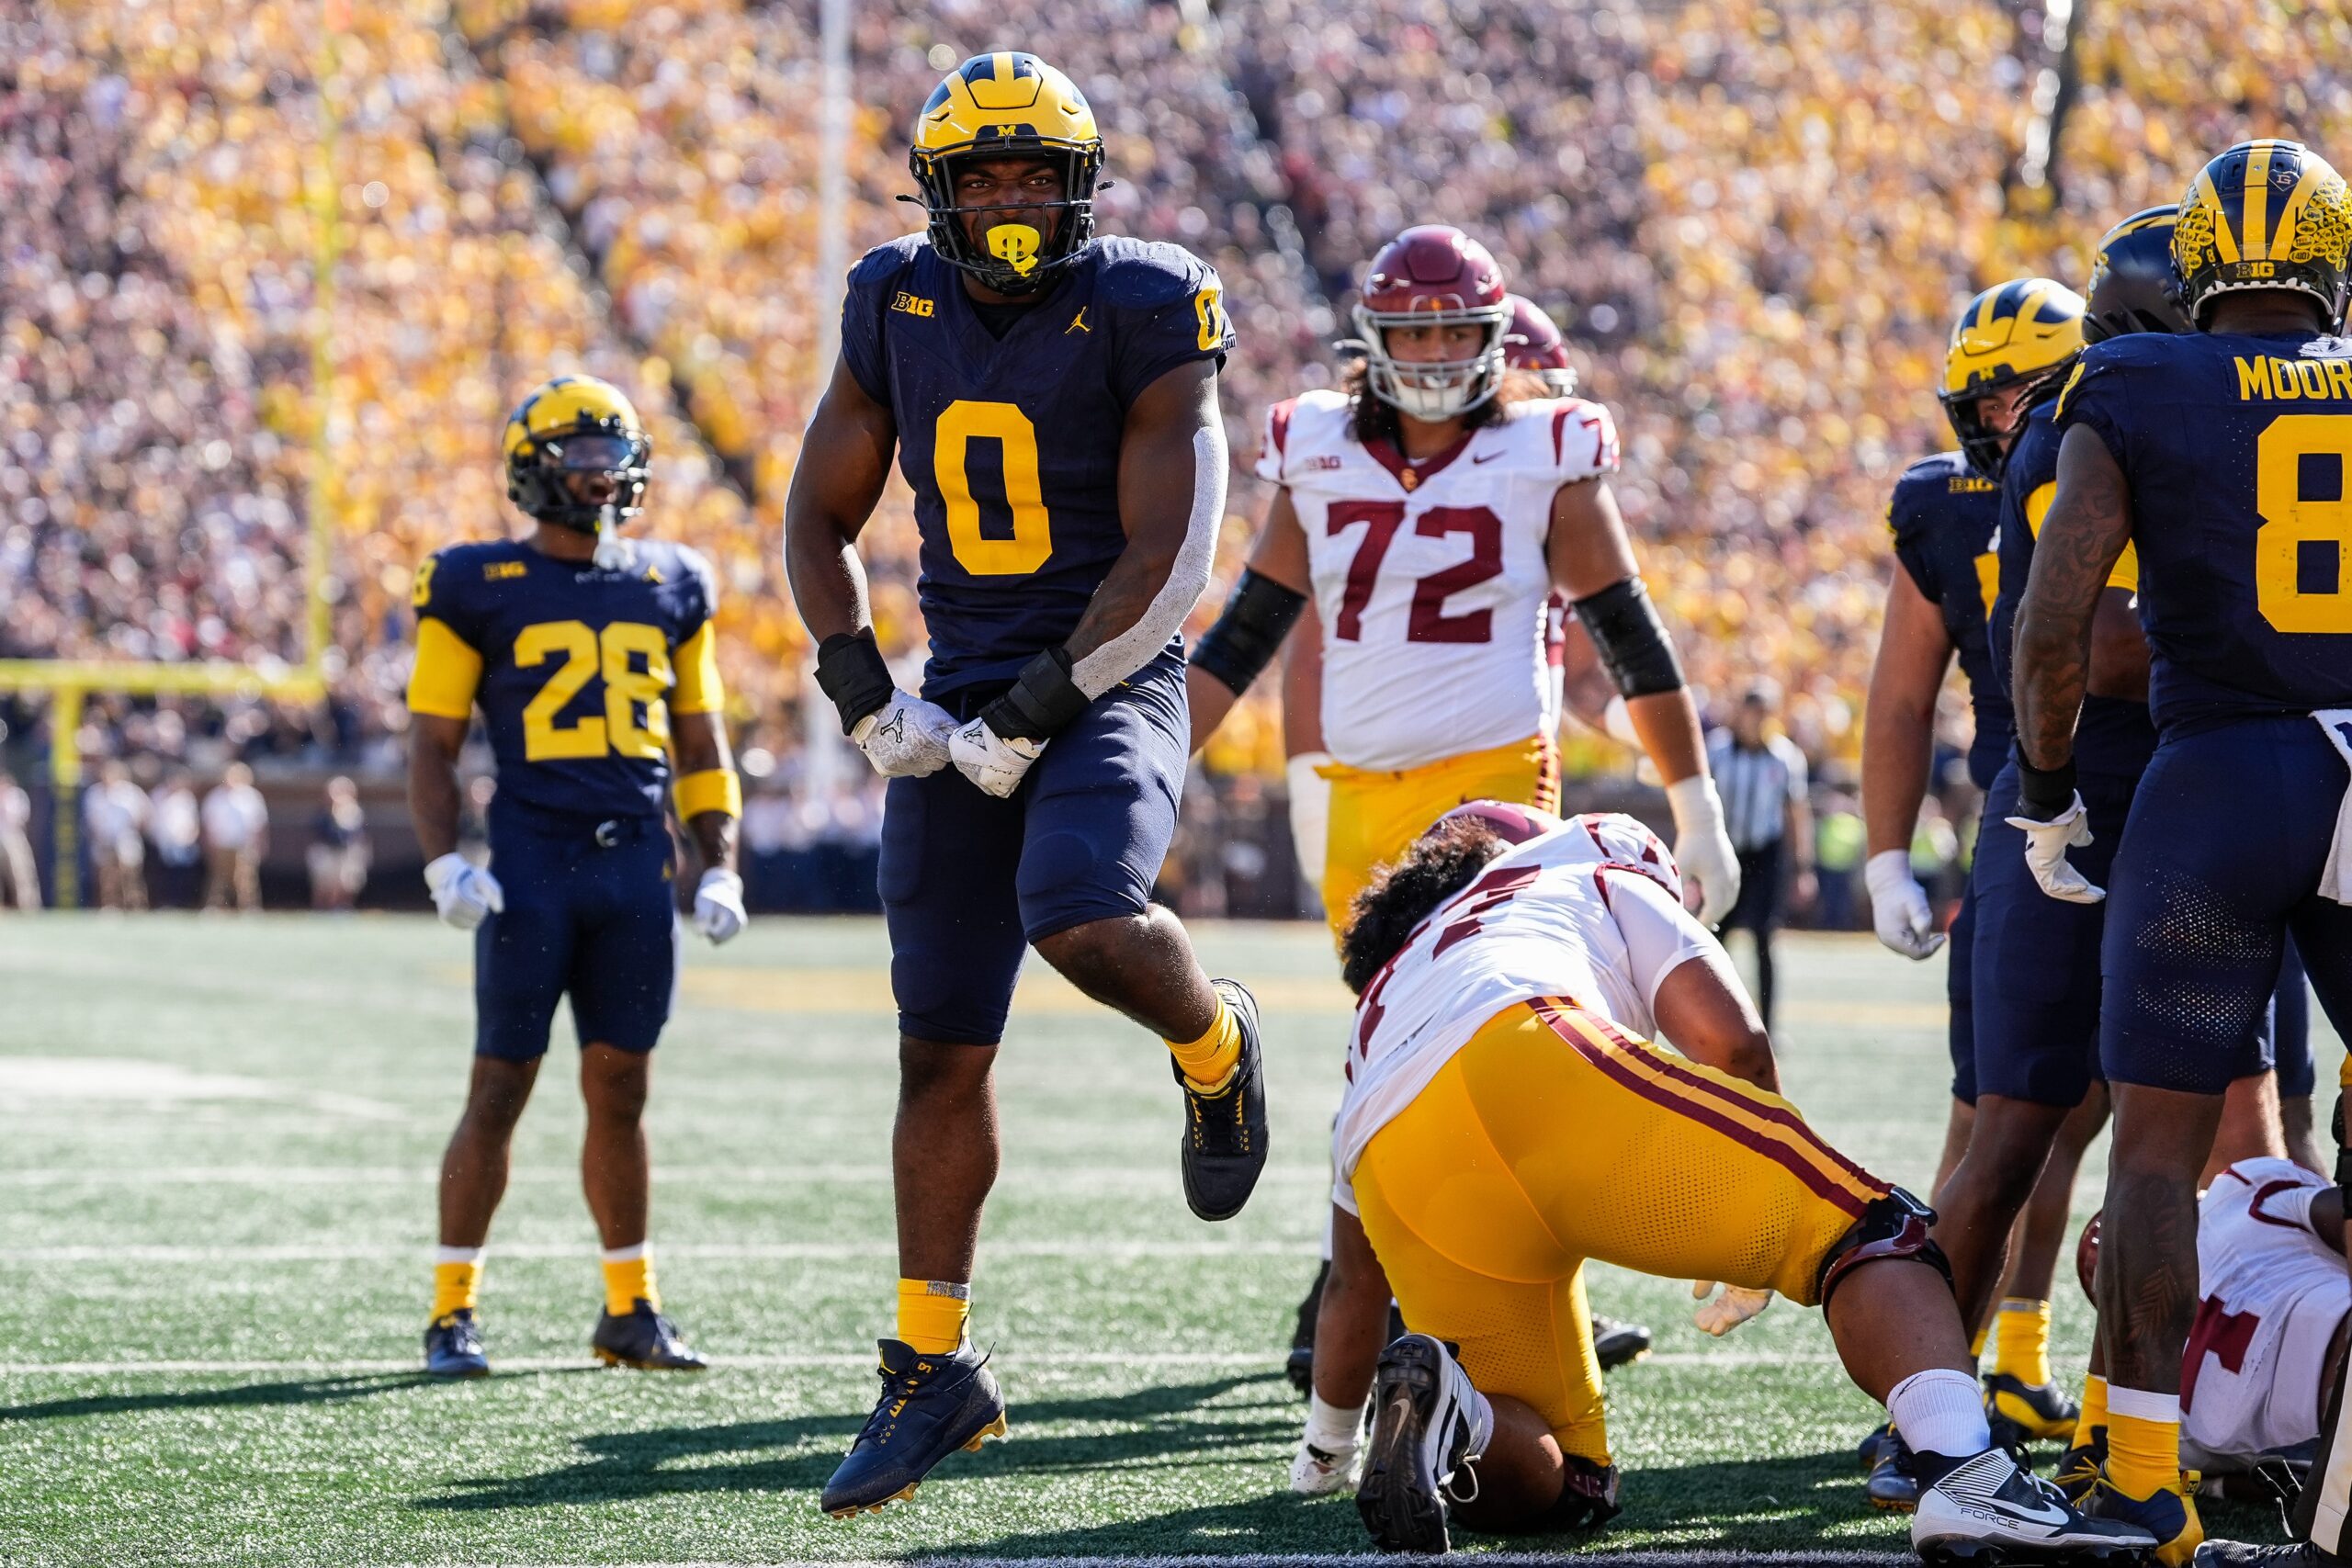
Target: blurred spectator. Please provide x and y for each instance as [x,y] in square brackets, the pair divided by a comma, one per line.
[236,835]
[338,854]
[19,880]
[1762,776]
[1837,845]
[176,830]
[114,819]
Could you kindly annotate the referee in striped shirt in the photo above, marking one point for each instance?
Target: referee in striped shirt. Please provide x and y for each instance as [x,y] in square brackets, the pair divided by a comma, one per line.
[1760,774]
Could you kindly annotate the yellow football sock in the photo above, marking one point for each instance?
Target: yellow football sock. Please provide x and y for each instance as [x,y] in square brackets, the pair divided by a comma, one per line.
[932,1314]
[2021,1339]
[2142,1450]
[1976,1345]
[457,1279]
[629,1279]
[2094,1415]
[1210,1060]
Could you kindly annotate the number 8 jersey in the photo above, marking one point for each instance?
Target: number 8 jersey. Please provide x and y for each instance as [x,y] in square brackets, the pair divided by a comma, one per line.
[577,670]
[1430,577]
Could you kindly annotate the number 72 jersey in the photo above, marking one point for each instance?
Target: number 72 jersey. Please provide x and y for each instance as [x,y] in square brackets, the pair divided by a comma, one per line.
[2238,450]
[1430,577]
[576,669]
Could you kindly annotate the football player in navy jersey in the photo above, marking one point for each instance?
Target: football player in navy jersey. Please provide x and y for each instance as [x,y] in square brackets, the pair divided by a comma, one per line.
[1051,397]
[592,658]
[2007,344]
[2221,457]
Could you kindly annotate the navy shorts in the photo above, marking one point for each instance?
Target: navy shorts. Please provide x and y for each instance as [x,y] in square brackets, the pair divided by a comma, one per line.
[590,920]
[969,881]
[2290,1028]
[2219,864]
[1960,966]
[2036,980]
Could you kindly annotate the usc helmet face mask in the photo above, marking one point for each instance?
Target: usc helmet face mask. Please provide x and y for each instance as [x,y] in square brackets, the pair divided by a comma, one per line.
[1433,276]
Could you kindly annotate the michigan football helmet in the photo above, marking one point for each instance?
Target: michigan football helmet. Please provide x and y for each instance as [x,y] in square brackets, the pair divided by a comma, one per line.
[1532,342]
[1007,104]
[570,426]
[2266,214]
[1433,276]
[2133,288]
[2016,333]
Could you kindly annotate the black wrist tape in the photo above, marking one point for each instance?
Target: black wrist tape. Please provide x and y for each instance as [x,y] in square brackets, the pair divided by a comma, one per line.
[1251,630]
[1631,639]
[850,671]
[2045,793]
[1042,704]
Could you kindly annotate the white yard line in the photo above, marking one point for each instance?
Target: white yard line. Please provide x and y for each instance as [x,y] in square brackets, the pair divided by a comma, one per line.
[778,1251]
[1659,1558]
[1075,1177]
[1044,1358]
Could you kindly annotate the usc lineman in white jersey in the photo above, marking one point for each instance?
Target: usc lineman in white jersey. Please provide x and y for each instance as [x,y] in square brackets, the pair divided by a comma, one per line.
[1431,513]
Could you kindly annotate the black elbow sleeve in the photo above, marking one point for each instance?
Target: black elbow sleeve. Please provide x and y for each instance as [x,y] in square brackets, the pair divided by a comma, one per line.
[1631,639]
[1246,637]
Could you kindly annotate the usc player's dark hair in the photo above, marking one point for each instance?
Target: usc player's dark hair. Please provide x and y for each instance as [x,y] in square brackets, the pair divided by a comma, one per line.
[1371,419]
[1441,862]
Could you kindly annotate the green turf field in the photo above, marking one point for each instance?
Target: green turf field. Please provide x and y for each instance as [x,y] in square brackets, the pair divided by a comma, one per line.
[220,1140]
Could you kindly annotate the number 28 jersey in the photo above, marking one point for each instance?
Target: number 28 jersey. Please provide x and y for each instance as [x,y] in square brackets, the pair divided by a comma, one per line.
[1012,442]
[1430,577]
[577,670]
[1589,913]
[2238,449]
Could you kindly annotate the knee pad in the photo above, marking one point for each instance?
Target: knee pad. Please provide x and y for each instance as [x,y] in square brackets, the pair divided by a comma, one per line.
[1892,1226]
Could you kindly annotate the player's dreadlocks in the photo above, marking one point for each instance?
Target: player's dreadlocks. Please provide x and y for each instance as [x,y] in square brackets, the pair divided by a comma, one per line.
[1440,863]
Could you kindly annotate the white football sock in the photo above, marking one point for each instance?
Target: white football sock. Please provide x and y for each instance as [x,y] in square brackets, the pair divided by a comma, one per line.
[1940,1412]
[1332,1427]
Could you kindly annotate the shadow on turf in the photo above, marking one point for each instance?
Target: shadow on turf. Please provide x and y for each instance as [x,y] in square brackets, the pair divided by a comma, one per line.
[1172,1427]
[300,1391]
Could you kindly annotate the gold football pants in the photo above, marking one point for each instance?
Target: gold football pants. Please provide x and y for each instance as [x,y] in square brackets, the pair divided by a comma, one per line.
[1376,814]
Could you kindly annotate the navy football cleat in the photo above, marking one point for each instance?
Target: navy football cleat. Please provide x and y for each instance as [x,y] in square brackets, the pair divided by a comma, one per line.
[2170,1517]
[1876,1447]
[453,1346]
[1419,1447]
[1617,1343]
[2080,1467]
[2020,1412]
[1985,1510]
[1225,1133]
[644,1339]
[1894,1484]
[931,1406]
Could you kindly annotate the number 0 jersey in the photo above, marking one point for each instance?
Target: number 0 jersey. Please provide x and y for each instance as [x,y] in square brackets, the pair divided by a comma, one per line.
[1943,516]
[1588,913]
[2273,1296]
[1011,443]
[2238,450]
[577,670]
[1430,577]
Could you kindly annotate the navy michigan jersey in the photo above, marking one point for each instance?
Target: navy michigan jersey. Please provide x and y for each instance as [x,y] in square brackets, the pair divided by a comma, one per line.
[2114,736]
[1941,515]
[1012,442]
[2238,450]
[577,670]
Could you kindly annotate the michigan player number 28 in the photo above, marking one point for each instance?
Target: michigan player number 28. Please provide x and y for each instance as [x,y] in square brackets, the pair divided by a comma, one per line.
[584,652]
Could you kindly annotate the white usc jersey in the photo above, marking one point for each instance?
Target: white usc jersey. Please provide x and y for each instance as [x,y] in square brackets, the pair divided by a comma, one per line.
[1590,913]
[2273,1296]
[1430,577]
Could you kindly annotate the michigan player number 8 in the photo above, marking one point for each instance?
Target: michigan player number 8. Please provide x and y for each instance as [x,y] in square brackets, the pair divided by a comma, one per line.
[2291,519]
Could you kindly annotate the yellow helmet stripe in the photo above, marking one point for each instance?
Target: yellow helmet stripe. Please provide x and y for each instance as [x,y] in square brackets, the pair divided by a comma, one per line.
[2256,240]
[2225,241]
[1000,67]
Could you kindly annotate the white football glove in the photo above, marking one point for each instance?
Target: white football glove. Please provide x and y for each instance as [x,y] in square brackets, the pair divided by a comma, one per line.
[464,893]
[1734,1306]
[1315,1473]
[719,905]
[990,761]
[1703,849]
[2046,844]
[905,738]
[1899,906]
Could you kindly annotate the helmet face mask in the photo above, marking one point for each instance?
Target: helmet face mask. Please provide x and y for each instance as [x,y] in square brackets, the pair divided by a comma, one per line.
[2267,216]
[577,455]
[993,111]
[1433,276]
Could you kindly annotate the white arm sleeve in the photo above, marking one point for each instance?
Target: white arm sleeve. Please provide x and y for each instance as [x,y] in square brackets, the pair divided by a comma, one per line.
[1660,936]
[1164,616]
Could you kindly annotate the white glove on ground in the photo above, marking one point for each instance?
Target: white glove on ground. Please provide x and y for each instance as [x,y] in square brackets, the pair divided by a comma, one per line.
[905,738]
[1701,849]
[990,761]
[1734,1306]
[719,905]
[1899,905]
[464,893]
[2046,844]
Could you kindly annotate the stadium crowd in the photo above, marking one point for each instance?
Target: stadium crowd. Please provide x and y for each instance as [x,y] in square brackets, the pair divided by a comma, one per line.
[265,275]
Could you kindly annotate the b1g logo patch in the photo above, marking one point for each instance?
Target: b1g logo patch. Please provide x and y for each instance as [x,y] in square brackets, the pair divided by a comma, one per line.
[912,304]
